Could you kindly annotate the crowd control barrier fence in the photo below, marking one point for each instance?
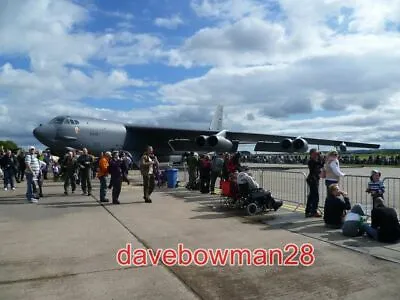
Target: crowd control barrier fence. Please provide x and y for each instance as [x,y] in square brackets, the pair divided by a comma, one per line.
[292,187]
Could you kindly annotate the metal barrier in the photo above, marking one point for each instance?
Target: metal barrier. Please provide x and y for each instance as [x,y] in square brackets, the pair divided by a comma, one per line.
[292,187]
[355,186]
[392,192]
[288,186]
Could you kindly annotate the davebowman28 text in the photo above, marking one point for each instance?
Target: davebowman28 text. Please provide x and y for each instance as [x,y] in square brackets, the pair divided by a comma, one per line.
[290,255]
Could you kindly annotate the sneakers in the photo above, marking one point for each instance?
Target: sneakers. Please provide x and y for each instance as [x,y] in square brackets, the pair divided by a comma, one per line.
[34,200]
[5,189]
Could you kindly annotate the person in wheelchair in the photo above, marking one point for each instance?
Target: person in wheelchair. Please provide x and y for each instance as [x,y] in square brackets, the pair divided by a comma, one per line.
[249,188]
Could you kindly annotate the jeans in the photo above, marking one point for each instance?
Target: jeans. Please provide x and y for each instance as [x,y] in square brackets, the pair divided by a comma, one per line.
[103,188]
[313,197]
[116,188]
[214,176]
[372,232]
[328,183]
[8,177]
[30,184]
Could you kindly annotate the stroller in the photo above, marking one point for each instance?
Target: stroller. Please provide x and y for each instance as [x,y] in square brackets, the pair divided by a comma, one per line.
[161,178]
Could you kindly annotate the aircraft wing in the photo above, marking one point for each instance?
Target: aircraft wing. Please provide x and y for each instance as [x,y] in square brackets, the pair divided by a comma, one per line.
[252,138]
[178,139]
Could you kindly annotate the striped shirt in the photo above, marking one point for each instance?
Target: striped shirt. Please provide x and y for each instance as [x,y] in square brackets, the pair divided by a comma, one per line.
[31,160]
[377,187]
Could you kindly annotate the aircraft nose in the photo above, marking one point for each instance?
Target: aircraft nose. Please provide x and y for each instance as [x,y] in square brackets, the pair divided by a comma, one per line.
[44,133]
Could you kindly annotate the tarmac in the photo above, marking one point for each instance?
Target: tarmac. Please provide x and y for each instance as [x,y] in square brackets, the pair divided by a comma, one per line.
[65,248]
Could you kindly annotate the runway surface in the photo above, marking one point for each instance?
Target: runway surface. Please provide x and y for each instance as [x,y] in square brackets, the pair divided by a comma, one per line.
[65,247]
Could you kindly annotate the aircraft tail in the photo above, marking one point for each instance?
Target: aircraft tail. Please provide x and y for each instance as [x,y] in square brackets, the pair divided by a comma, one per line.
[216,123]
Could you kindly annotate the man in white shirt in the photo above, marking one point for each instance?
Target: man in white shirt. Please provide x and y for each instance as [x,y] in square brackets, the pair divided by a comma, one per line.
[32,171]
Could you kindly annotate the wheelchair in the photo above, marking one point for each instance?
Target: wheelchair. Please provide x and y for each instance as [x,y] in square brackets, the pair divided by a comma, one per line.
[256,201]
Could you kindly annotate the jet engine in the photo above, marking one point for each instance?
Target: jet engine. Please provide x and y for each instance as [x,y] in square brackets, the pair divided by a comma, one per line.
[300,145]
[343,147]
[286,144]
[201,140]
[219,143]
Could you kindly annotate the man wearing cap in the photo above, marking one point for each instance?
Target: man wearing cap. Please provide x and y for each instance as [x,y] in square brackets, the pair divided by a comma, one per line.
[102,175]
[32,171]
[314,165]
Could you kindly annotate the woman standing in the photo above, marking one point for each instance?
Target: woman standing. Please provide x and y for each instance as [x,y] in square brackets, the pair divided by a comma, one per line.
[332,169]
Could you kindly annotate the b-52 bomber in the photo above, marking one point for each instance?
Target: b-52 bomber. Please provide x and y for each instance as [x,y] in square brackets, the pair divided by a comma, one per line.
[64,133]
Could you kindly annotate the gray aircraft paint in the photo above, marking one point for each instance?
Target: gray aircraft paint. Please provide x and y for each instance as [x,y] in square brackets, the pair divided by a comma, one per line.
[71,132]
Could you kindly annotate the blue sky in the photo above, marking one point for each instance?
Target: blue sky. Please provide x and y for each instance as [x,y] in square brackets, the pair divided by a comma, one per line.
[306,67]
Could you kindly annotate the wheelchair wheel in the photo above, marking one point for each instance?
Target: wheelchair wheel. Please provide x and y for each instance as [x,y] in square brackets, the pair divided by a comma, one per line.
[252,209]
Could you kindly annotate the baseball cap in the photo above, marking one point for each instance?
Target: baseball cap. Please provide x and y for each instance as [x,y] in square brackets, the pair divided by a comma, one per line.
[313,150]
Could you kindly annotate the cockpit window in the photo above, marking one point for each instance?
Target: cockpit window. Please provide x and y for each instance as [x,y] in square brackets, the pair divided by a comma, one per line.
[69,121]
[57,120]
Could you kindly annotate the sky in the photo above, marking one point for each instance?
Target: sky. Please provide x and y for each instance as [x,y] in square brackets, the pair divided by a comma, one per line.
[322,69]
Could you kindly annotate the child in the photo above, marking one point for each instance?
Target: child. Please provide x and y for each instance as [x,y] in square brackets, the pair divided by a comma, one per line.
[352,225]
[376,187]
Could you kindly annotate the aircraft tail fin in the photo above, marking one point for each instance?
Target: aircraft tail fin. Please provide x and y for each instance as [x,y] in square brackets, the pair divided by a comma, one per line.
[216,123]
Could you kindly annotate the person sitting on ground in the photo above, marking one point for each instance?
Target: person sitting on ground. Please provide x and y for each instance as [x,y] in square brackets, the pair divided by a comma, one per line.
[335,208]
[245,178]
[353,223]
[376,187]
[384,223]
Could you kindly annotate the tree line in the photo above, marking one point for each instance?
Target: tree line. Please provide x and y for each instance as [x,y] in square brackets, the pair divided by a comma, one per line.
[8,145]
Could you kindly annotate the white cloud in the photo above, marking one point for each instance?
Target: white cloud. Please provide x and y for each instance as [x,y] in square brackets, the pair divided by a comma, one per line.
[298,64]
[229,9]
[264,68]
[169,23]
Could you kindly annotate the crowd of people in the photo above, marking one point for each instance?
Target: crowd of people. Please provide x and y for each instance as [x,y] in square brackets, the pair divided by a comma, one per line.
[76,169]
[338,213]
[204,172]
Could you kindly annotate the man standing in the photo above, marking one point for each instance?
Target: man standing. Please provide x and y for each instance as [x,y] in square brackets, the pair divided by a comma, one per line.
[32,171]
[116,172]
[102,175]
[147,164]
[314,165]
[85,162]
[217,165]
[69,171]
[192,164]
[8,165]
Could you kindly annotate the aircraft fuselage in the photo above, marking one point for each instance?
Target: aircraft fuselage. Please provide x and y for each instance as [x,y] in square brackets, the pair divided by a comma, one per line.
[64,133]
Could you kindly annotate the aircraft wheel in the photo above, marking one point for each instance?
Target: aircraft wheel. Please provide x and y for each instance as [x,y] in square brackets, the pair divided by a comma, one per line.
[252,209]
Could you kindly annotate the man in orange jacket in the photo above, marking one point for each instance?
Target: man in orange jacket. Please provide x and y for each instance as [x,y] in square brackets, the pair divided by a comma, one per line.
[102,174]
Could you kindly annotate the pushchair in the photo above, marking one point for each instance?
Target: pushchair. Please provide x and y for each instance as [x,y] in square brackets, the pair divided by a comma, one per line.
[161,178]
